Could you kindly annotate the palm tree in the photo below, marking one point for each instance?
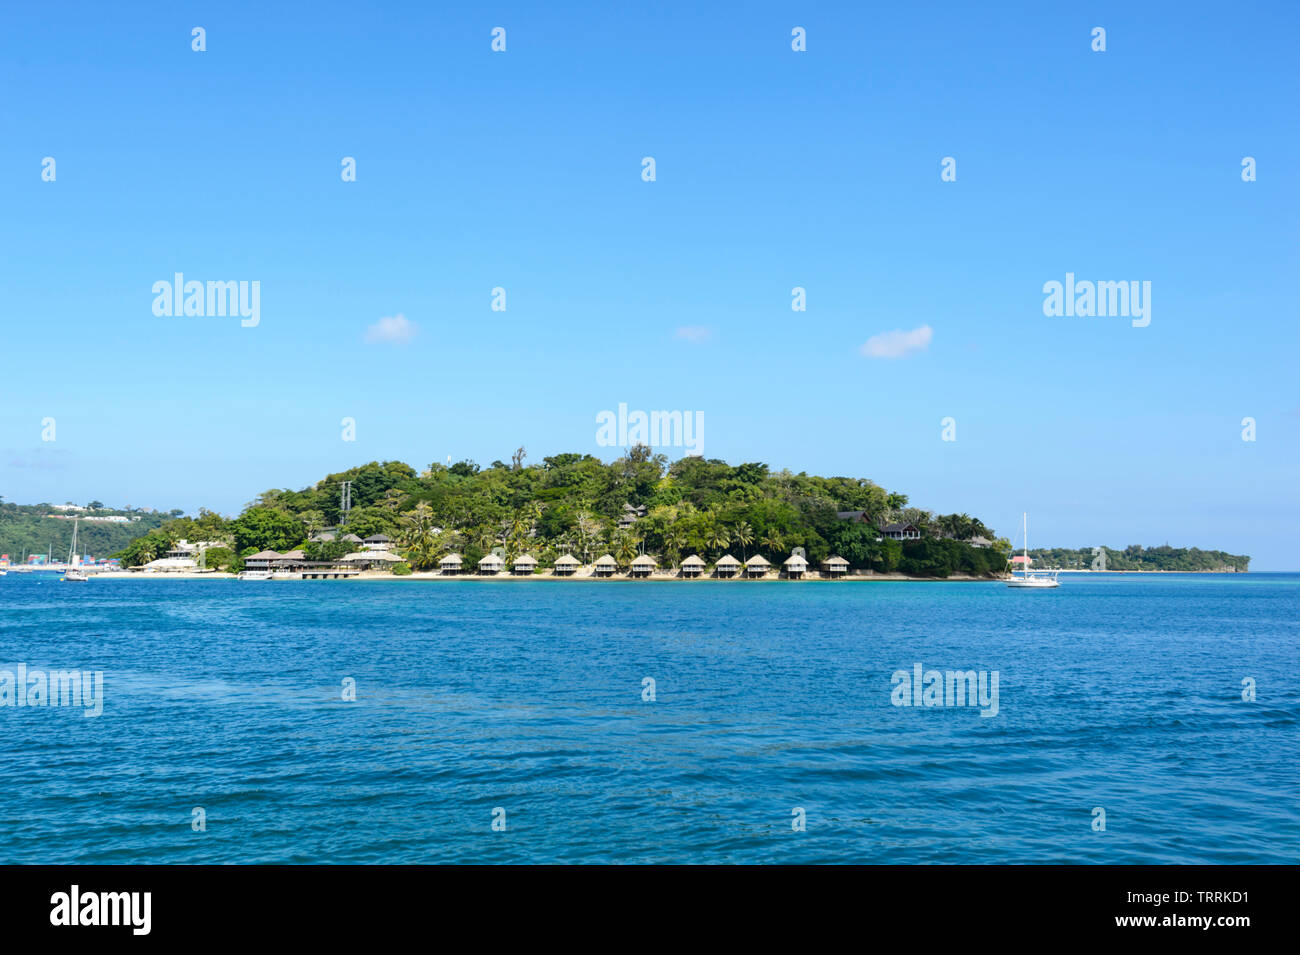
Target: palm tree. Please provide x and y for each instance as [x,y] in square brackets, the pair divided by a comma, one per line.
[773,543]
[533,510]
[625,550]
[562,545]
[418,537]
[588,527]
[744,536]
[717,537]
[673,541]
[517,534]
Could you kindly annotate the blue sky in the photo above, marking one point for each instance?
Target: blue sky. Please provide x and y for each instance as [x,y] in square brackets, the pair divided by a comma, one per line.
[775,169]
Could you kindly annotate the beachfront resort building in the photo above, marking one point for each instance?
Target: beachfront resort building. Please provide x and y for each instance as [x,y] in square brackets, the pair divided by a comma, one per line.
[377,542]
[184,550]
[566,566]
[491,564]
[795,566]
[693,566]
[261,561]
[644,566]
[835,567]
[181,557]
[371,559]
[757,566]
[524,565]
[450,565]
[727,566]
[605,566]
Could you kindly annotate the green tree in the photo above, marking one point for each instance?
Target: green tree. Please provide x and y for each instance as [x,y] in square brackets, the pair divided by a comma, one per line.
[625,549]
[744,536]
[773,544]
[716,537]
[266,528]
[419,537]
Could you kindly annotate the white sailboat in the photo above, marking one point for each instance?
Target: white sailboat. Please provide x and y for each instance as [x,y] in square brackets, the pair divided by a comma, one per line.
[1038,580]
[74,573]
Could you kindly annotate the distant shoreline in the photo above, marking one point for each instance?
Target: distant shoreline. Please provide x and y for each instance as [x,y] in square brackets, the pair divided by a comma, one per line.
[657,577]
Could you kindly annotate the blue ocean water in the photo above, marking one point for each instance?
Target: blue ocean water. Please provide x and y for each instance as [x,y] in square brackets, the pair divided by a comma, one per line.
[1119,692]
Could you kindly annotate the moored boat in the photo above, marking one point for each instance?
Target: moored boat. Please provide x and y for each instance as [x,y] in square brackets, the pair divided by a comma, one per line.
[1031,580]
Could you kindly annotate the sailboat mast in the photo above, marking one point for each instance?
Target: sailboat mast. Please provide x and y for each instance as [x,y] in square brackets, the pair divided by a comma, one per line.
[1026,567]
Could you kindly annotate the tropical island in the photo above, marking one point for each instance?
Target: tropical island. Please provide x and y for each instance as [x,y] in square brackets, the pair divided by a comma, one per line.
[635,509]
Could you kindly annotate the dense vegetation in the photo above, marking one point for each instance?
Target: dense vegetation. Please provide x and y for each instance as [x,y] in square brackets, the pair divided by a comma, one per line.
[25,529]
[572,503]
[1136,557]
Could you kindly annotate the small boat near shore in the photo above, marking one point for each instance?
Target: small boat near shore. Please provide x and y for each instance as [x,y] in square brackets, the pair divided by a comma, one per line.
[1031,580]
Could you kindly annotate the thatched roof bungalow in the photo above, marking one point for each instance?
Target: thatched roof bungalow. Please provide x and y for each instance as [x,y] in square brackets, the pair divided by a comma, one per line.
[644,566]
[565,566]
[835,567]
[451,564]
[795,566]
[757,566]
[605,566]
[491,564]
[727,566]
[524,565]
[693,566]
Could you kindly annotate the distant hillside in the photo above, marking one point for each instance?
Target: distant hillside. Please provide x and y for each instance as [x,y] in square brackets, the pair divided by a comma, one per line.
[1136,557]
[29,528]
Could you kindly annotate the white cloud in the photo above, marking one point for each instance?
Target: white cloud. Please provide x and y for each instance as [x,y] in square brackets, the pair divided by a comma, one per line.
[897,343]
[695,334]
[396,330]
